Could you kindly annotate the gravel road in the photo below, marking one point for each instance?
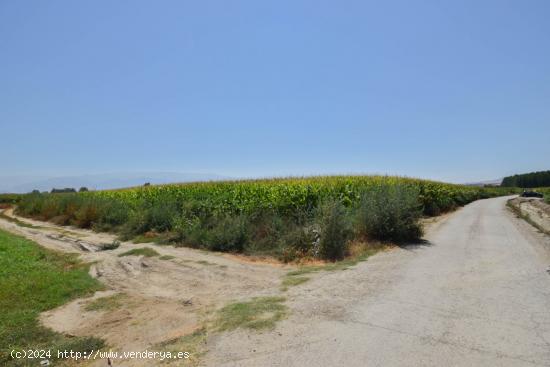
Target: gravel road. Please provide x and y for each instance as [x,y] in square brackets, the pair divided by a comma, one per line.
[477,293]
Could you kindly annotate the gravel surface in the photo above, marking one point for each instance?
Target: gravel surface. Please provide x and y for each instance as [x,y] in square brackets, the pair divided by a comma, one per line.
[477,293]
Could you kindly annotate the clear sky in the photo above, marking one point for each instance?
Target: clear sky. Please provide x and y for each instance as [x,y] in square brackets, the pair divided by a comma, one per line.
[450,90]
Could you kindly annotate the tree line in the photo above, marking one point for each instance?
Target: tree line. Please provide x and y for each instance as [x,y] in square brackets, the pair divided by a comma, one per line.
[528,180]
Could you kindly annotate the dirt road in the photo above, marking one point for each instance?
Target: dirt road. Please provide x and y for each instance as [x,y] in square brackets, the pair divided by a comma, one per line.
[164,297]
[477,293]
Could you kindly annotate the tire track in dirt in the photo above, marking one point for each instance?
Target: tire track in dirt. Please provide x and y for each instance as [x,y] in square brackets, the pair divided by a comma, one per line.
[163,299]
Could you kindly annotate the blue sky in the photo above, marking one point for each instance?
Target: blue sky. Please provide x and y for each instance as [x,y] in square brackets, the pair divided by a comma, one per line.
[449,90]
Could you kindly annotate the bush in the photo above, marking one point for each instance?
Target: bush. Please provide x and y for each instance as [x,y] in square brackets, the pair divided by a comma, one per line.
[30,205]
[135,225]
[10,198]
[228,233]
[113,214]
[265,230]
[390,213]
[155,216]
[221,232]
[87,215]
[432,209]
[160,215]
[299,242]
[334,230]
[61,220]
[50,208]
[189,230]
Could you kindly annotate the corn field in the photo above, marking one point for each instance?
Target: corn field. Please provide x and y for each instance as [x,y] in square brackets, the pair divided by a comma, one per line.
[290,194]
[287,217]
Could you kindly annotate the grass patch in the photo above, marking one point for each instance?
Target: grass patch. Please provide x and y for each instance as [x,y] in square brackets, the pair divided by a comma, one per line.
[361,253]
[33,280]
[143,251]
[108,303]
[167,257]
[148,238]
[204,262]
[257,314]
[194,344]
[291,281]
[18,222]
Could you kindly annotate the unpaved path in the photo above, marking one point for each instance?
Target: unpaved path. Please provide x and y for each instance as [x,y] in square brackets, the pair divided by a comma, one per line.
[475,294]
[163,299]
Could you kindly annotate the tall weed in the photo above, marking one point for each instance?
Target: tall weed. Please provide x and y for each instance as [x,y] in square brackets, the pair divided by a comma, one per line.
[390,213]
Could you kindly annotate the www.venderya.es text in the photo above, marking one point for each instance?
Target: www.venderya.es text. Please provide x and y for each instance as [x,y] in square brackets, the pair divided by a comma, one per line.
[44,354]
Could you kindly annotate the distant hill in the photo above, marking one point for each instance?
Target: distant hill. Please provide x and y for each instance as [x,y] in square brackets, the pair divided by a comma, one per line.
[495,182]
[18,184]
[528,180]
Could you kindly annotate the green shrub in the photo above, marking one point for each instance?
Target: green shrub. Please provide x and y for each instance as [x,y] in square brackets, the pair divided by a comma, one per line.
[265,230]
[390,213]
[298,242]
[155,216]
[432,209]
[87,215]
[228,233]
[10,198]
[334,230]
[61,220]
[189,230]
[51,207]
[113,214]
[160,215]
[219,233]
[136,224]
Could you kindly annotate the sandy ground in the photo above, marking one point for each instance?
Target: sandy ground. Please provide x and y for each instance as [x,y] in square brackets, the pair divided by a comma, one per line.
[164,299]
[475,293]
[536,210]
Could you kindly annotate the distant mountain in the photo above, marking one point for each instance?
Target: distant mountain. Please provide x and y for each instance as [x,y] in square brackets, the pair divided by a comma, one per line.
[496,182]
[16,184]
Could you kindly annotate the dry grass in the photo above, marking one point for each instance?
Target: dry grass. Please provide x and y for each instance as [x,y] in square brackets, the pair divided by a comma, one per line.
[106,303]
[143,251]
[167,257]
[291,281]
[194,344]
[258,313]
